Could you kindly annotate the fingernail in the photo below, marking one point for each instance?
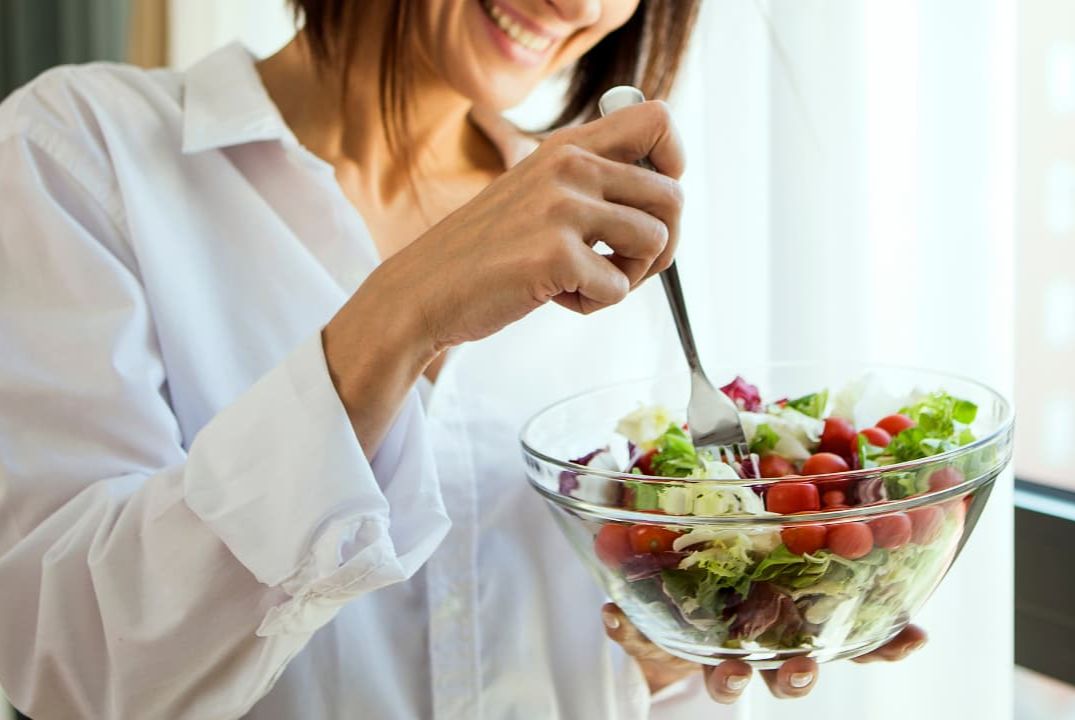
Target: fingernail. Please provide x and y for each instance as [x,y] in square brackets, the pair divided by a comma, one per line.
[735,683]
[801,680]
[611,621]
[915,647]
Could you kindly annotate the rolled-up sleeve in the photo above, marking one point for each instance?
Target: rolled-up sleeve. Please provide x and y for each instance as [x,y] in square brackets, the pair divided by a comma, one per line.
[280,478]
[139,580]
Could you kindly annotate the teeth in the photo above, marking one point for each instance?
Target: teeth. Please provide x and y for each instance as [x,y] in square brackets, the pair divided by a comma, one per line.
[515,31]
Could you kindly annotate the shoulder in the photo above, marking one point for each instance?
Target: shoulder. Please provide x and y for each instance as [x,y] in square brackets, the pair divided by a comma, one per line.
[79,113]
[74,117]
[84,97]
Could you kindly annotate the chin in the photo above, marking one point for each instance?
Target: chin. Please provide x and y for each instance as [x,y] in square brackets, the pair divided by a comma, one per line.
[492,59]
[498,93]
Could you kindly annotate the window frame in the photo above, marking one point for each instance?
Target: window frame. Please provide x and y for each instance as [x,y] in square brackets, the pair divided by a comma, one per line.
[1044,591]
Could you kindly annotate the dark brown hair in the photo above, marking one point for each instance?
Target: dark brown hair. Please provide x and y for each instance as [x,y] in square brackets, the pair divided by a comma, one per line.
[646,51]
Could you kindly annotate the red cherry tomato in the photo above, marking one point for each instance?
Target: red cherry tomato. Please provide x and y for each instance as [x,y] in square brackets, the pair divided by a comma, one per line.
[645,462]
[804,538]
[891,531]
[837,436]
[895,424]
[850,540]
[824,463]
[925,524]
[875,436]
[958,509]
[774,466]
[944,478]
[612,545]
[831,498]
[651,538]
[792,497]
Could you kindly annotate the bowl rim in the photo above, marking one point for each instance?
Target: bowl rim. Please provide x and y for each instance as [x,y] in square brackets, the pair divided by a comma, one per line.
[1004,428]
[888,507]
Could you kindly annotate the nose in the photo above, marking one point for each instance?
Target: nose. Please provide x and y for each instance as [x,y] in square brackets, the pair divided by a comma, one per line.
[581,13]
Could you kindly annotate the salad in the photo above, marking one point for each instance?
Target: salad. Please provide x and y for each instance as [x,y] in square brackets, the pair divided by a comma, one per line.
[793,585]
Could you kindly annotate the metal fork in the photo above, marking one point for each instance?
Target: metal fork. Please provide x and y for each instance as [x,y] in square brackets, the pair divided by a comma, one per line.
[712,417]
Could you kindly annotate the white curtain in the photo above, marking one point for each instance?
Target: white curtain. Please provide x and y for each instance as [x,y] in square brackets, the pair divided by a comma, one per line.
[850,195]
[196,27]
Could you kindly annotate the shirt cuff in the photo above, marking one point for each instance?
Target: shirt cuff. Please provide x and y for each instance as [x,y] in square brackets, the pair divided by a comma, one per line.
[677,689]
[281,479]
[688,699]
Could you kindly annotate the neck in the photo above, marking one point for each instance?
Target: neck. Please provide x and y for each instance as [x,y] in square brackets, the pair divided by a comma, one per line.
[348,129]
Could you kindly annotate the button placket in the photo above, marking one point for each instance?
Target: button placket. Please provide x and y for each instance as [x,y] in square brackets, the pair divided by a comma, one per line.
[452,570]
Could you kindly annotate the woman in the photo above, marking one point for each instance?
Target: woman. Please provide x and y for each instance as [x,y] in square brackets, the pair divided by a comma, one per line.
[269,332]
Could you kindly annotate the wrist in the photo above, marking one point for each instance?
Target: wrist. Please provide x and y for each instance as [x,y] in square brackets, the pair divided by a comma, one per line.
[375,348]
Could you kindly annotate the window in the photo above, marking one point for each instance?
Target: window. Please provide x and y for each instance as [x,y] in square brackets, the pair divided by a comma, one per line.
[1045,361]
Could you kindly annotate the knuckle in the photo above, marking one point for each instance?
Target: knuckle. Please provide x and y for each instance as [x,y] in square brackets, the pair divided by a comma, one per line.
[660,114]
[664,262]
[675,196]
[560,206]
[559,137]
[561,252]
[570,161]
[658,237]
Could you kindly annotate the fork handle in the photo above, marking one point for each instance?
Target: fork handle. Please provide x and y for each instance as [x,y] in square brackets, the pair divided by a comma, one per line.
[674,292]
[612,100]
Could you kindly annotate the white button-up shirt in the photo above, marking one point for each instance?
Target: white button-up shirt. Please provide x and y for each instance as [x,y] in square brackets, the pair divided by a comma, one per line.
[188,526]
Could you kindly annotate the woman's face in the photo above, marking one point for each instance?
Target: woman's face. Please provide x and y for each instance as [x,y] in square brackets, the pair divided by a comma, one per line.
[496,52]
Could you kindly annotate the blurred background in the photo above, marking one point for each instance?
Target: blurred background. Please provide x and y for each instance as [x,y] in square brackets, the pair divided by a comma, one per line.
[888,179]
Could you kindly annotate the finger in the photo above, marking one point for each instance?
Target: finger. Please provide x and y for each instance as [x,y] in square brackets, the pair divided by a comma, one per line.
[586,174]
[910,639]
[726,681]
[653,193]
[636,238]
[657,194]
[587,280]
[619,628]
[633,133]
[794,679]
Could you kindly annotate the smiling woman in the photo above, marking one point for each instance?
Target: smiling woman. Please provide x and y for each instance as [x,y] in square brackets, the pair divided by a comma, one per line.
[641,45]
[219,429]
[259,405]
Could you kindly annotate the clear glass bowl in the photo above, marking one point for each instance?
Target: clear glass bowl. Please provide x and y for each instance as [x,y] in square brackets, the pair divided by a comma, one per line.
[828,608]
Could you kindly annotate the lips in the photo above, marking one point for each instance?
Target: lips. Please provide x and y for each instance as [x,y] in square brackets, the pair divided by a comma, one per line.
[513,29]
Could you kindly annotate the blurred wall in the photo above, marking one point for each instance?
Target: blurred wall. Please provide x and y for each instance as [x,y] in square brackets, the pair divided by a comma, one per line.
[37,34]
[196,27]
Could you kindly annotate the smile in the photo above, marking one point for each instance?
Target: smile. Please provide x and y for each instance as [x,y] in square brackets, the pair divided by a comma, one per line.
[514,30]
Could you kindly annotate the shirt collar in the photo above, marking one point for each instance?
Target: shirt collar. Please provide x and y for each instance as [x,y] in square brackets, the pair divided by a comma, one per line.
[225,104]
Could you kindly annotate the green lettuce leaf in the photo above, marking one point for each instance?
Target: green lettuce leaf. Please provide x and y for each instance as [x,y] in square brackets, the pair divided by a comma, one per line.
[786,568]
[904,484]
[941,424]
[676,456]
[646,496]
[813,404]
[695,588]
[868,454]
[765,439]
[822,572]
[728,558]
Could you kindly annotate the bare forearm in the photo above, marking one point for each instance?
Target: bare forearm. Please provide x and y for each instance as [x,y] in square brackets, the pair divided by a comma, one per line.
[375,348]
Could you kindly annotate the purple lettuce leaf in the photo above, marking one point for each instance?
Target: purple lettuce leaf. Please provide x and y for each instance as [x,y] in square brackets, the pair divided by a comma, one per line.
[639,567]
[569,479]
